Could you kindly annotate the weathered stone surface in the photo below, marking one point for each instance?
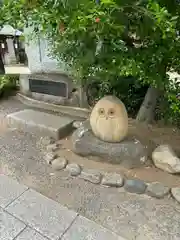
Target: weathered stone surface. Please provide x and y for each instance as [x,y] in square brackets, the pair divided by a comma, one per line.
[109,119]
[91,176]
[135,186]
[49,157]
[74,169]
[53,147]
[157,190]
[42,123]
[77,124]
[30,234]
[84,229]
[165,158]
[47,140]
[128,153]
[112,180]
[10,226]
[9,190]
[44,215]
[176,193]
[59,163]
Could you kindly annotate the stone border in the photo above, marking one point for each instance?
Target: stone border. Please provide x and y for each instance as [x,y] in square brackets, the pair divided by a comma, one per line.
[154,189]
[72,111]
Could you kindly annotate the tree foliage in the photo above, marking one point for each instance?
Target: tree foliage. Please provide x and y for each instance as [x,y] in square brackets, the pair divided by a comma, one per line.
[106,39]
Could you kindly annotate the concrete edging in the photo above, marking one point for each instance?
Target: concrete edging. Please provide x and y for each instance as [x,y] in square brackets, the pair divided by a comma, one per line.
[72,111]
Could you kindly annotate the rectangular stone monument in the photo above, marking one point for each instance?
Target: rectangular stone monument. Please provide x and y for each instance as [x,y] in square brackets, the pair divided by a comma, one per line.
[49,80]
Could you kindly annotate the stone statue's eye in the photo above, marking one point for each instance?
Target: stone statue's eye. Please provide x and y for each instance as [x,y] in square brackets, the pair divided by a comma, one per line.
[101,111]
[111,112]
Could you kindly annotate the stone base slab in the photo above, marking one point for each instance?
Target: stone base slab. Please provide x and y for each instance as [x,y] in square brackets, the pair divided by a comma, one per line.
[129,153]
[79,113]
[43,123]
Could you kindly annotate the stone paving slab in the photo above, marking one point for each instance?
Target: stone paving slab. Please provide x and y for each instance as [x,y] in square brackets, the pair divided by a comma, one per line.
[9,190]
[84,229]
[40,122]
[17,69]
[44,215]
[10,227]
[30,234]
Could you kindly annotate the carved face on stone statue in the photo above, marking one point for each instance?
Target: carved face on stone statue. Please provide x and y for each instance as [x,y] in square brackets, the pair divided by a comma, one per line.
[109,119]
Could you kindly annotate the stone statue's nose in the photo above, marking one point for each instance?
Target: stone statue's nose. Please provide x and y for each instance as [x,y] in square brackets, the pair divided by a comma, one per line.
[106,117]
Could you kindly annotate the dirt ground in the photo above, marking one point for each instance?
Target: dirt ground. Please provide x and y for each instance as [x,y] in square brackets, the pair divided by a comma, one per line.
[151,136]
[133,216]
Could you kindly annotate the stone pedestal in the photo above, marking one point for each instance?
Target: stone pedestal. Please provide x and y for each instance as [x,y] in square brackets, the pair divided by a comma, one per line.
[129,153]
[49,80]
[64,96]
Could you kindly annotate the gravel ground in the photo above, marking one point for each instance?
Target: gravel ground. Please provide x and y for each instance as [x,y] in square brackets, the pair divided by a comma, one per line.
[132,216]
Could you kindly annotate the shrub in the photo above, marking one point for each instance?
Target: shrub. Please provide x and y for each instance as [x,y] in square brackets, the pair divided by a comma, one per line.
[8,83]
[128,89]
[168,107]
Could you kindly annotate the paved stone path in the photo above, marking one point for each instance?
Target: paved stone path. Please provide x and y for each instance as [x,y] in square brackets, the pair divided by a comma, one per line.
[134,217]
[28,215]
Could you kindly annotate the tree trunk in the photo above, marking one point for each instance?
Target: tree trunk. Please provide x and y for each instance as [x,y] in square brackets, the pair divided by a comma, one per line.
[147,109]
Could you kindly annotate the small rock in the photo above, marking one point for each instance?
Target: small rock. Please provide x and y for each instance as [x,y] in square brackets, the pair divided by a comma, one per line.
[77,124]
[47,140]
[135,186]
[113,180]
[49,157]
[176,193]
[59,163]
[91,176]
[74,169]
[157,190]
[53,147]
[165,158]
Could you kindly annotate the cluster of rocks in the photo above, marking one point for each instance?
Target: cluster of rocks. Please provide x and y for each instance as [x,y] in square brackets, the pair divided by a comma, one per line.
[132,152]
[154,189]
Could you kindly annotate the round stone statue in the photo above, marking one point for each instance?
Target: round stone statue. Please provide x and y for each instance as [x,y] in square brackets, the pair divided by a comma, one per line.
[109,119]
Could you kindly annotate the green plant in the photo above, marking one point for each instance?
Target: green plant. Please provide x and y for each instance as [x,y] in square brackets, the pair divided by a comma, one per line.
[168,107]
[7,84]
[108,40]
[128,89]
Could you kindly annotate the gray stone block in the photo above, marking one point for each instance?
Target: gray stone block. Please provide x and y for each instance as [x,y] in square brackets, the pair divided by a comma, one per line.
[9,190]
[74,169]
[30,234]
[59,163]
[10,227]
[157,190]
[112,180]
[83,229]
[129,153]
[42,123]
[44,215]
[91,175]
[135,186]
[49,157]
